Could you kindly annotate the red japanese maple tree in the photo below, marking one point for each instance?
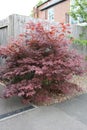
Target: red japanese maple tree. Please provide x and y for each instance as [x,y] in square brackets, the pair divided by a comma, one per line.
[40,60]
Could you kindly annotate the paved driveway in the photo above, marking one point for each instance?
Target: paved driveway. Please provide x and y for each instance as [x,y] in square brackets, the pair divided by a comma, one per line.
[69,115]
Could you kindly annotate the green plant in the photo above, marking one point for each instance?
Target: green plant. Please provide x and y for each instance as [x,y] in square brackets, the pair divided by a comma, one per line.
[40,2]
[86,58]
[79,10]
[80,42]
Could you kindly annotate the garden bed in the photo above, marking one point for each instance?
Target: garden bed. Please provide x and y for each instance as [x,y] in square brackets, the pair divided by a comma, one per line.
[81,81]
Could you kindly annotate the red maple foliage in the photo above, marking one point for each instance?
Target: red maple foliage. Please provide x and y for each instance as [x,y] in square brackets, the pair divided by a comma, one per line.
[40,59]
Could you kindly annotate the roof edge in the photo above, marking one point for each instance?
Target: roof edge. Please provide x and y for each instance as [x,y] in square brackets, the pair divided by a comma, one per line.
[53,4]
[42,3]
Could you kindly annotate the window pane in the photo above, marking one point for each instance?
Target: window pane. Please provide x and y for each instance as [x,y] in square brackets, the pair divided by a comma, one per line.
[51,14]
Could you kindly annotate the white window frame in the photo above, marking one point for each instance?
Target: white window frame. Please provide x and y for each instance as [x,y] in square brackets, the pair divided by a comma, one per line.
[51,14]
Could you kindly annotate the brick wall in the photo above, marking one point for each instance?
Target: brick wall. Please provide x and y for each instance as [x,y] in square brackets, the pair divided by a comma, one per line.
[60,11]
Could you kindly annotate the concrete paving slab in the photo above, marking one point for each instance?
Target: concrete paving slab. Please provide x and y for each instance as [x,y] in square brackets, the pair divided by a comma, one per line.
[76,108]
[69,115]
[12,107]
[10,104]
[43,118]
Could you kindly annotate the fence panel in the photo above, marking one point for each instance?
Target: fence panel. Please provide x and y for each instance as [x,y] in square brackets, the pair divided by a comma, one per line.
[15,24]
[80,32]
[11,27]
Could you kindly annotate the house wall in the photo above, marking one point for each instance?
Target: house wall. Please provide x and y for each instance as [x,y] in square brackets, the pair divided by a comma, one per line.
[60,11]
[40,14]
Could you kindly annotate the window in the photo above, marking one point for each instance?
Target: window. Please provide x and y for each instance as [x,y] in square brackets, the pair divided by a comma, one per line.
[51,14]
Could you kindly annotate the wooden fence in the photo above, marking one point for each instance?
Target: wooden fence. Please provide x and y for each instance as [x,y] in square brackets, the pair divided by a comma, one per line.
[11,27]
[80,32]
